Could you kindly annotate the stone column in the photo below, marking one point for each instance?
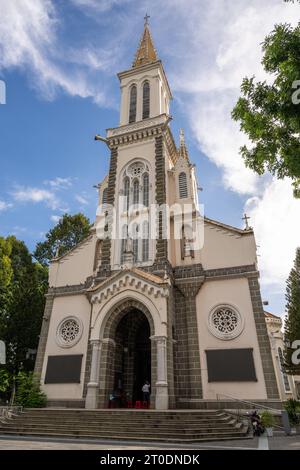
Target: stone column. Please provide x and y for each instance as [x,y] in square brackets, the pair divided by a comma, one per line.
[93,385]
[162,393]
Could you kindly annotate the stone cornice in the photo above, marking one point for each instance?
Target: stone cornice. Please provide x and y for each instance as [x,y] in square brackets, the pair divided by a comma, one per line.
[130,280]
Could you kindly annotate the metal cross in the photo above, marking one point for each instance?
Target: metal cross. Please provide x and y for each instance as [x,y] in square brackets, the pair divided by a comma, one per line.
[146,18]
[246,218]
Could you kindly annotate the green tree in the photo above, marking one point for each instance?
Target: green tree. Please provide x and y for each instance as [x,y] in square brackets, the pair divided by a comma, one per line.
[21,324]
[6,274]
[269,112]
[69,231]
[292,323]
[28,393]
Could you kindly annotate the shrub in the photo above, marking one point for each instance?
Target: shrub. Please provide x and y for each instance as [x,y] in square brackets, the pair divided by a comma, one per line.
[267,419]
[292,407]
[28,392]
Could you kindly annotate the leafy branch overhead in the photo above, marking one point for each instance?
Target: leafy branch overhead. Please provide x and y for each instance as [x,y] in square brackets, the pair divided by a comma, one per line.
[69,231]
[269,111]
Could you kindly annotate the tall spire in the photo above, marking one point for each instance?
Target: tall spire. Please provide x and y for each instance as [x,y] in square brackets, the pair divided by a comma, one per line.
[183,152]
[146,52]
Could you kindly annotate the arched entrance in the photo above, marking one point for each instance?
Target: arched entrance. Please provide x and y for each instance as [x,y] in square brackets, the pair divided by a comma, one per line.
[132,364]
[128,355]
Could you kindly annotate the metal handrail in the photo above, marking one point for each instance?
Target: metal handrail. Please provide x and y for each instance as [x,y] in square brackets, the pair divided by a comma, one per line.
[9,411]
[256,405]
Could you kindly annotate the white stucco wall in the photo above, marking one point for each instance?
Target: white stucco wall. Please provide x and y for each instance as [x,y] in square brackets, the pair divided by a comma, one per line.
[74,267]
[79,306]
[234,292]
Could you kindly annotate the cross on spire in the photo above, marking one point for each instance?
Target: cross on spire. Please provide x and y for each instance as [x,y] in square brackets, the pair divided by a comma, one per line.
[246,218]
[146,18]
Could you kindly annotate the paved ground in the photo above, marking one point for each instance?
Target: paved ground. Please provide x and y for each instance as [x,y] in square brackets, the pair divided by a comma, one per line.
[278,442]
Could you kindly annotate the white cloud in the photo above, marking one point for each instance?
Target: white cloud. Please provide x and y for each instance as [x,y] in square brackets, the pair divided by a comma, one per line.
[276,219]
[29,33]
[5,205]
[55,218]
[36,195]
[81,199]
[59,183]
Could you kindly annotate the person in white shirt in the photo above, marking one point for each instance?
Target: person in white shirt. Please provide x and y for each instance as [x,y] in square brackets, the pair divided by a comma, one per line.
[146,392]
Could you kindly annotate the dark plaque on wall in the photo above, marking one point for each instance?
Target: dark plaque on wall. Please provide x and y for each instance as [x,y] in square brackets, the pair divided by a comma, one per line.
[63,369]
[230,365]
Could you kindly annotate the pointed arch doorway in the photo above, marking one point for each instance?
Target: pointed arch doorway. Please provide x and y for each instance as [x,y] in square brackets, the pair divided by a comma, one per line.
[132,365]
[128,354]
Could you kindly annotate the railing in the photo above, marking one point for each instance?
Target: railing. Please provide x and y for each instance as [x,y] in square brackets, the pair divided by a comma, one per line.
[8,412]
[253,405]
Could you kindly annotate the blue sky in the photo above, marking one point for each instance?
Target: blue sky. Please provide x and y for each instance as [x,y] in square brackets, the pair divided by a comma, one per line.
[59,61]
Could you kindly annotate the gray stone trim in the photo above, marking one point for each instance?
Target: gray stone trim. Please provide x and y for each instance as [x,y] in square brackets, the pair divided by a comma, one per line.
[263,338]
[160,196]
[105,267]
[43,336]
[187,366]
[237,271]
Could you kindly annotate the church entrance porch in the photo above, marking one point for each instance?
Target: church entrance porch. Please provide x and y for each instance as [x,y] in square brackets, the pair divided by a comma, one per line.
[132,365]
[129,352]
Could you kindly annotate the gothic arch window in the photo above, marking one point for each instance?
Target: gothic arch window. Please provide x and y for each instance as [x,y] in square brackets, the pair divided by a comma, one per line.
[183,190]
[282,368]
[146,100]
[123,242]
[132,103]
[126,193]
[104,196]
[135,242]
[145,241]
[146,190]
[136,191]
[186,242]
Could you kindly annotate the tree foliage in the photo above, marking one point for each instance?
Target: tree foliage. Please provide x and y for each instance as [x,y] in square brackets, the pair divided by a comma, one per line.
[28,393]
[292,323]
[269,112]
[69,231]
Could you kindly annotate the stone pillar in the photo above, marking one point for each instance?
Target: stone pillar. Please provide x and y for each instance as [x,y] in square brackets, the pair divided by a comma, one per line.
[162,393]
[93,385]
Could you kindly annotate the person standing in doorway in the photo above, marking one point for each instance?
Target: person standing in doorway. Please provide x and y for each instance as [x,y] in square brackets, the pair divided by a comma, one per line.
[146,393]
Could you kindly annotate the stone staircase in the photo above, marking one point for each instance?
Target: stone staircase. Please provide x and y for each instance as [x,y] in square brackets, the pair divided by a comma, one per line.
[184,426]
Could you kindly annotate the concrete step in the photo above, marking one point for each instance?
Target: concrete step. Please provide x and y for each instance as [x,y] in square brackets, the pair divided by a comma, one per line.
[126,425]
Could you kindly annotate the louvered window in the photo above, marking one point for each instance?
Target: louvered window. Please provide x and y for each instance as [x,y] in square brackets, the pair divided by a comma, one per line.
[136,190]
[126,194]
[132,104]
[183,191]
[146,100]
[123,242]
[146,190]
[145,241]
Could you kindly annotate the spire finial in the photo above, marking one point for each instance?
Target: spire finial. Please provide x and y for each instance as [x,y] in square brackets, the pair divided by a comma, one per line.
[246,218]
[146,18]
[146,53]
[182,147]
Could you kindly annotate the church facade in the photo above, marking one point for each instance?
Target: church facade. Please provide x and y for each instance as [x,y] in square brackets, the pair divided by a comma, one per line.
[156,292]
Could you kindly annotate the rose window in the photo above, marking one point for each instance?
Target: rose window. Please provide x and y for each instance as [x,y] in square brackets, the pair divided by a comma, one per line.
[69,332]
[225,322]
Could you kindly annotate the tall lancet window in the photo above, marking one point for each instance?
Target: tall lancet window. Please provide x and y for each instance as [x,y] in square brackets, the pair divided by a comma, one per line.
[126,193]
[145,241]
[136,191]
[146,190]
[146,100]
[123,242]
[183,190]
[135,242]
[132,104]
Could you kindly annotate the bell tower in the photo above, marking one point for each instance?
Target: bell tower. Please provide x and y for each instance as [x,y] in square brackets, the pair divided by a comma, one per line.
[145,92]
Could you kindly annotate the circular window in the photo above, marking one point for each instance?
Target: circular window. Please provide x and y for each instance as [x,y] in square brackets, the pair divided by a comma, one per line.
[225,322]
[69,332]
